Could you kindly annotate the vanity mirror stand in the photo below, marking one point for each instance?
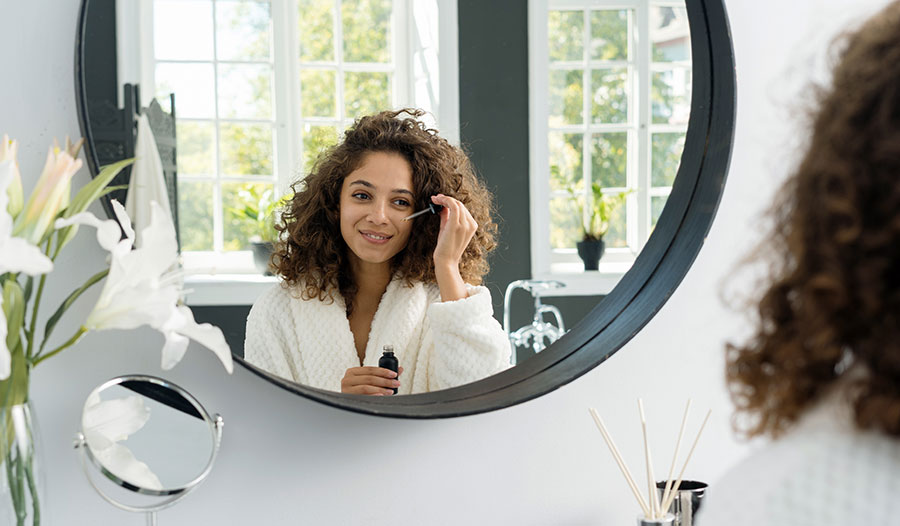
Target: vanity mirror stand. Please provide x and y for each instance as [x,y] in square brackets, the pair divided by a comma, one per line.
[150,439]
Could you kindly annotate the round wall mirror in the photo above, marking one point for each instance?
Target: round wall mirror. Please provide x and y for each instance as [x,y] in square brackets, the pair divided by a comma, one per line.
[602,95]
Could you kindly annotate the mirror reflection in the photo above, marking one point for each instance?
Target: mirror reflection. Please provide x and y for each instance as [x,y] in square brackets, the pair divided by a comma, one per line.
[260,90]
[147,435]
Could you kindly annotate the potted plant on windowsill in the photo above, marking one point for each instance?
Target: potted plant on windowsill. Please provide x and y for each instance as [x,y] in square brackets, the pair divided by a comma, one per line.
[595,224]
[262,209]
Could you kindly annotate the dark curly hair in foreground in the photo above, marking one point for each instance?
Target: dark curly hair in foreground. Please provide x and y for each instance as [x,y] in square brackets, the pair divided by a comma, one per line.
[834,302]
[311,252]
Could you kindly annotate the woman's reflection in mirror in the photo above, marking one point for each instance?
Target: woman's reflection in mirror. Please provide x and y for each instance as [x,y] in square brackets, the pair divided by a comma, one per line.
[355,276]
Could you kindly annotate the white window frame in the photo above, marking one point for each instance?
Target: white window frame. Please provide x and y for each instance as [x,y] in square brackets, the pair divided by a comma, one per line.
[564,264]
[425,75]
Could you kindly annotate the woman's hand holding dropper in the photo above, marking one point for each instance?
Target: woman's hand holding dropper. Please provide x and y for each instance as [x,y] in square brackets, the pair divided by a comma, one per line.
[457,230]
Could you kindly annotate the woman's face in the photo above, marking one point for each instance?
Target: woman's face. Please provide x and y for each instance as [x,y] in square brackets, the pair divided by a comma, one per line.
[374,200]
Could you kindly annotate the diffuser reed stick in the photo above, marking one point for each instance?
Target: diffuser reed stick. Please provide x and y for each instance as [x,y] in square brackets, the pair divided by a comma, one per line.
[668,489]
[620,461]
[677,485]
[651,479]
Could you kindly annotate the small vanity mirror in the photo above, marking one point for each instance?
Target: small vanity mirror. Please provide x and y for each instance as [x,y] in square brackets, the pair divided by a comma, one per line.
[148,436]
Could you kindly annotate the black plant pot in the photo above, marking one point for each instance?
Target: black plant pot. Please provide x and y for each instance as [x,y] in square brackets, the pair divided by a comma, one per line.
[590,251]
[262,251]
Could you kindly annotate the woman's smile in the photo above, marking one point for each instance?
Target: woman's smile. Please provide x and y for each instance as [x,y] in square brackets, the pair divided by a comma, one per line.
[375,237]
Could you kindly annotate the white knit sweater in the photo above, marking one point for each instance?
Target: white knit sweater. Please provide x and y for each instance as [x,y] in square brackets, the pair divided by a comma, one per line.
[438,344]
[824,472]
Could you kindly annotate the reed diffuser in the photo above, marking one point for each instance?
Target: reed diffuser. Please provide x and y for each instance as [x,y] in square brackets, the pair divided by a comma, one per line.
[655,509]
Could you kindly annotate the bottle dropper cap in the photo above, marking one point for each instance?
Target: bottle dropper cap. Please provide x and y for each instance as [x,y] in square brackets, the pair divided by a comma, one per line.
[388,349]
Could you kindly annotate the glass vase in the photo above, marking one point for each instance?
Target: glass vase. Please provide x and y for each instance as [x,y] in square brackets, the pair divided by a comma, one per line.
[21,477]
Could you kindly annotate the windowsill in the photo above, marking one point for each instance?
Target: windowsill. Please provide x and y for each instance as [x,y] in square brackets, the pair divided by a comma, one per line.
[580,282]
[225,289]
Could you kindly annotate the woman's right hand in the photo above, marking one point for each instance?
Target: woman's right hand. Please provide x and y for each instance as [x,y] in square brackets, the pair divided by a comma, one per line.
[376,381]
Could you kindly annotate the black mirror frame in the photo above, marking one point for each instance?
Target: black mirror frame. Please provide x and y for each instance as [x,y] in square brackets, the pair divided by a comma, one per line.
[658,270]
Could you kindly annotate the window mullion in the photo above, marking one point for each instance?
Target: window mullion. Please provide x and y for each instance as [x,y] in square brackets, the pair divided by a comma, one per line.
[339,58]
[587,137]
[539,177]
[401,44]
[286,91]
[218,214]
[642,196]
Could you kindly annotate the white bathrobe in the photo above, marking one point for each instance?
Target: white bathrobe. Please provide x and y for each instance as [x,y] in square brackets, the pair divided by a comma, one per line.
[438,344]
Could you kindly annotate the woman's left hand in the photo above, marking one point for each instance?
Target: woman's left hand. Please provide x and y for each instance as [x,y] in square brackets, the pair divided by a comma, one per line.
[457,230]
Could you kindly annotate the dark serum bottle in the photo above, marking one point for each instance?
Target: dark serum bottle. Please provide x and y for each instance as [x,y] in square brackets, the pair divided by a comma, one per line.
[389,361]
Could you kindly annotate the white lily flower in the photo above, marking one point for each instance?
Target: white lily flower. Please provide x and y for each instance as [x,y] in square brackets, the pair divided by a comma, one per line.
[108,232]
[107,423]
[144,287]
[8,152]
[49,195]
[16,255]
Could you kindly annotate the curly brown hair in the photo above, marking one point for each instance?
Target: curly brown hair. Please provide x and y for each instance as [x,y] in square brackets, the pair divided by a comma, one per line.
[833,304]
[311,253]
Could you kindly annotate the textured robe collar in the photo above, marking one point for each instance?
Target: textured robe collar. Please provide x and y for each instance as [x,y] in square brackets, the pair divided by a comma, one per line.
[397,322]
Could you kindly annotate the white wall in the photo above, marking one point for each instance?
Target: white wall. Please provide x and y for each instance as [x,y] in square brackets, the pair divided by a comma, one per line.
[286,460]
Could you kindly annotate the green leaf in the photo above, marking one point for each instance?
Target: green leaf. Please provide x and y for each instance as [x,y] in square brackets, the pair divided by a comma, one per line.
[51,323]
[29,284]
[111,189]
[94,189]
[14,390]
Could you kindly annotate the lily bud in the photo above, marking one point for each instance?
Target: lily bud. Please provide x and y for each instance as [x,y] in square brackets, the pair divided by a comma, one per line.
[8,151]
[48,196]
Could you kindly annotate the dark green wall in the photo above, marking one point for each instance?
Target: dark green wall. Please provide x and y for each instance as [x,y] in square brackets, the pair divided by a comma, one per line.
[493,114]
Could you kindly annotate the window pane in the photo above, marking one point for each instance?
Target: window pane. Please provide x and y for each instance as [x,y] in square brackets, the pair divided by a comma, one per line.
[615,236]
[196,148]
[315,140]
[243,30]
[367,30]
[565,32]
[317,93]
[670,34]
[609,159]
[195,216]
[240,206]
[245,91]
[670,96]
[193,86]
[246,149]
[565,223]
[665,158]
[565,161]
[609,35]
[366,93]
[566,94]
[657,203]
[316,24]
[609,103]
[182,30]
